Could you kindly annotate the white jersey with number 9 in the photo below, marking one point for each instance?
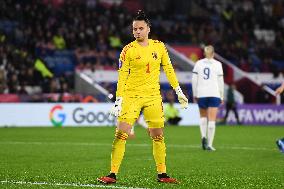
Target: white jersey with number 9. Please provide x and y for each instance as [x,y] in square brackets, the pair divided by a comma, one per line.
[207,79]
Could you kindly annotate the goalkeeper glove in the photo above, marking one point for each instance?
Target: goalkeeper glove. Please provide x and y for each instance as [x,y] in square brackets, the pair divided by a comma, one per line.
[181,98]
[116,109]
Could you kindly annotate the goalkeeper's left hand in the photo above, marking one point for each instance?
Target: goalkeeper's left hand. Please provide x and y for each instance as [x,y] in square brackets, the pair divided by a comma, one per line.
[181,98]
[116,109]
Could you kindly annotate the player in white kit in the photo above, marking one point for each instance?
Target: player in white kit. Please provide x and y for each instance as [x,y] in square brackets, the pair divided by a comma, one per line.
[208,92]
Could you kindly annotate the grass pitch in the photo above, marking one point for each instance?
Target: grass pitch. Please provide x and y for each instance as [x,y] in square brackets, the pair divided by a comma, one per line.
[246,157]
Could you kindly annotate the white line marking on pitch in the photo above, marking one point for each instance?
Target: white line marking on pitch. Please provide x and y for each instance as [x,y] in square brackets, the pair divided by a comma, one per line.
[65,184]
[135,145]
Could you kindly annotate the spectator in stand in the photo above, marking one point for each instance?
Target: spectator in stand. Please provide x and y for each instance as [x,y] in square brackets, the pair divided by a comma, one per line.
[245,65]
[2,82]
[268,66]
[59,41]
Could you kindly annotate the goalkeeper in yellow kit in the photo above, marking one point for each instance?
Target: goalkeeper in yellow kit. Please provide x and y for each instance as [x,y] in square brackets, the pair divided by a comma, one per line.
[138,89]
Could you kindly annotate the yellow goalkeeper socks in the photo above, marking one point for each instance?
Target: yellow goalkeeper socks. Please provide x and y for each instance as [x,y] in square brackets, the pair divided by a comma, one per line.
[118,149]
[159,152]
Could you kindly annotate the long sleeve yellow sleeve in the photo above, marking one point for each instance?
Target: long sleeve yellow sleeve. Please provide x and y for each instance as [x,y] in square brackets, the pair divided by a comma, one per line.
[123,71]
[168,68]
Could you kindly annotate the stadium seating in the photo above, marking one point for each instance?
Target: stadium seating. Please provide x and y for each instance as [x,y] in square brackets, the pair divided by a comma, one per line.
[70,35]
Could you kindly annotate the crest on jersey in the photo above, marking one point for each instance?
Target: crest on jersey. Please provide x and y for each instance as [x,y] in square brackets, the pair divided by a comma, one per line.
[119,64]
[155,55]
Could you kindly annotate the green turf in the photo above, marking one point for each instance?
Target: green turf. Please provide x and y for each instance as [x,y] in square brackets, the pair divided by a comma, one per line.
[246,157]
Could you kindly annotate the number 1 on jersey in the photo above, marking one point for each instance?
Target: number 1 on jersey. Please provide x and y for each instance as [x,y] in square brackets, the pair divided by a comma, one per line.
[148,68]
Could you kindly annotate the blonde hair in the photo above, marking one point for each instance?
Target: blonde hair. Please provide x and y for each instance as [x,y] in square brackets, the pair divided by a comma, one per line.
[209,51]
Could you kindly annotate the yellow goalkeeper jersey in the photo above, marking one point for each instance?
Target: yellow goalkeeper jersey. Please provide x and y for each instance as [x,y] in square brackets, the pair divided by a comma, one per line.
[139,69]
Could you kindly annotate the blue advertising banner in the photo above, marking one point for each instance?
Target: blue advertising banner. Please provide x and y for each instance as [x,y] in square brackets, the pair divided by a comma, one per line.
[255,114]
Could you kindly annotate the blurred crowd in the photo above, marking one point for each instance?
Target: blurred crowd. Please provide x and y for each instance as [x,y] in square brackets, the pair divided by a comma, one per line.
[249,33]
[29,28]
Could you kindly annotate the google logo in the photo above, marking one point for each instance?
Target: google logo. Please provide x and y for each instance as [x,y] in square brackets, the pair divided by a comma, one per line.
[61,116]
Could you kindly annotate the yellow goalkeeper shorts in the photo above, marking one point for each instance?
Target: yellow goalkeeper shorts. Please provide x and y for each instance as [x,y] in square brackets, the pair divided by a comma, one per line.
[152,108]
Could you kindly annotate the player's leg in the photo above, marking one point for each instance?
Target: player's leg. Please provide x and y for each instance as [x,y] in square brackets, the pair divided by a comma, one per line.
[153,112]
[203,127]
[118,148]
[228,107]
[234,108]
[212,114]
[202,104]
[130,112]
[159,153]
[159,149]
[132,132]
